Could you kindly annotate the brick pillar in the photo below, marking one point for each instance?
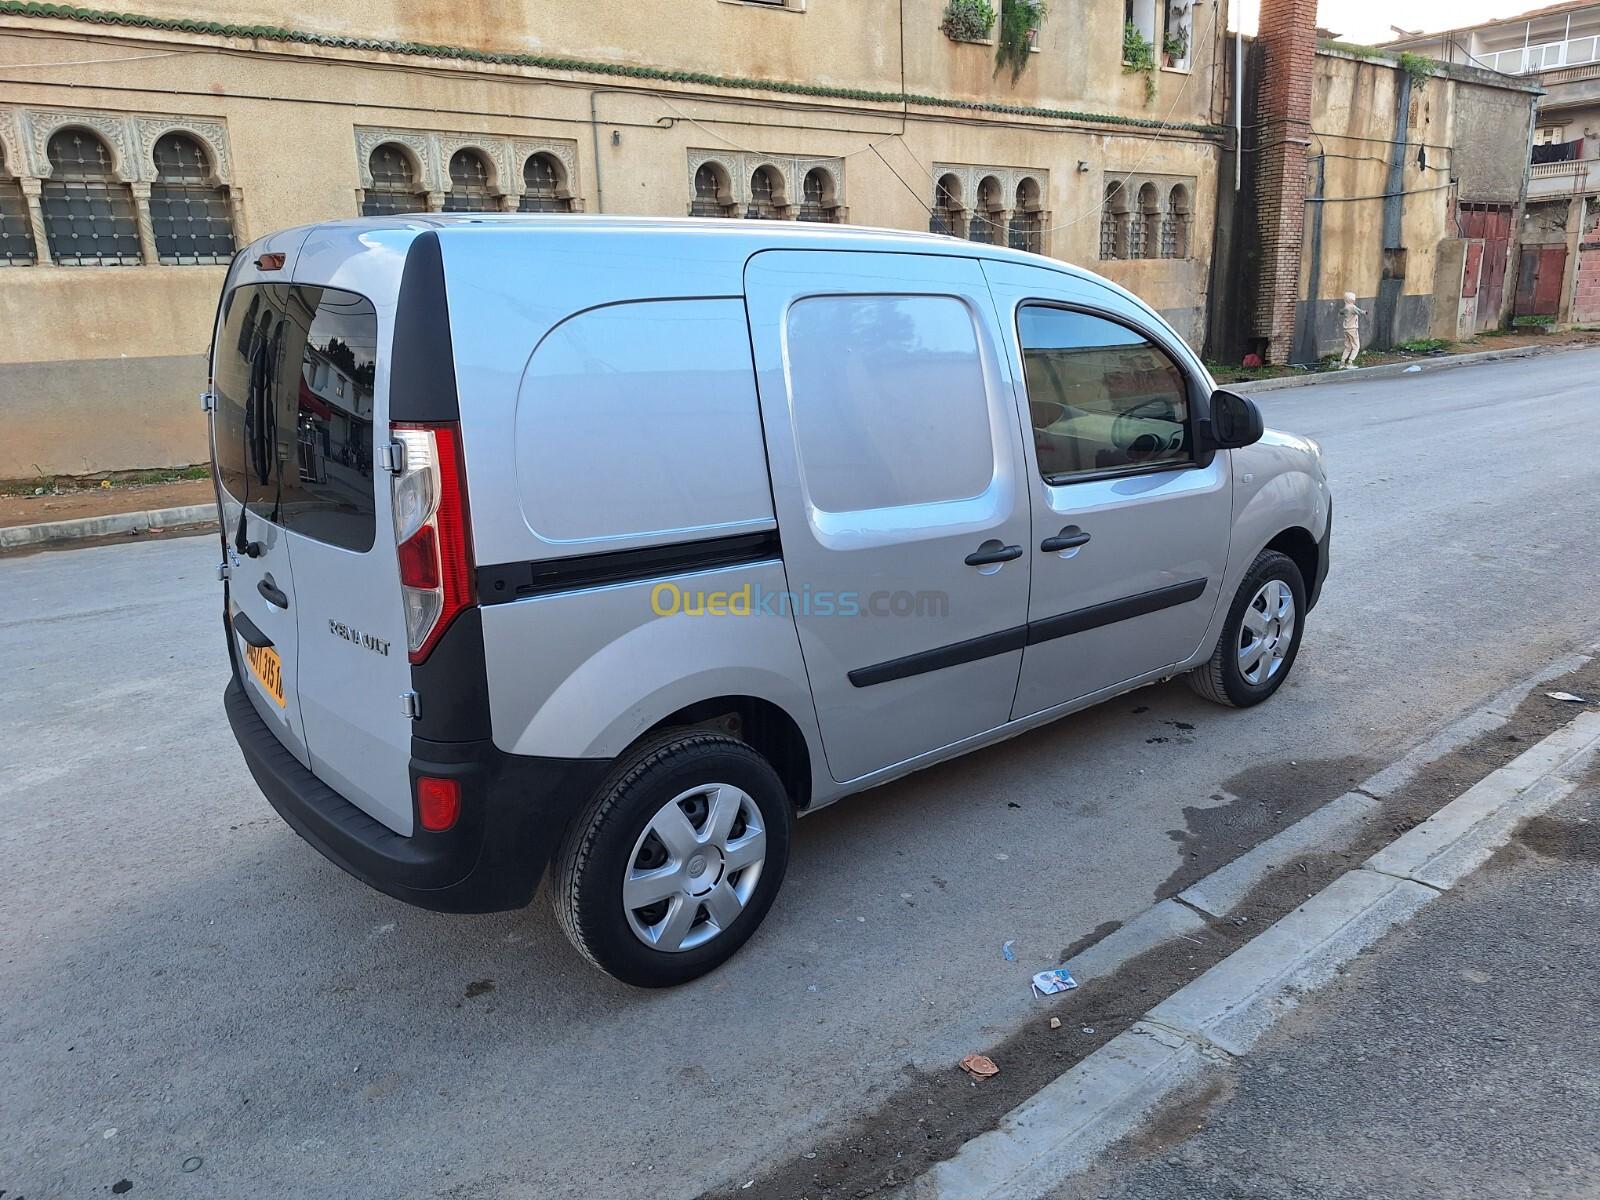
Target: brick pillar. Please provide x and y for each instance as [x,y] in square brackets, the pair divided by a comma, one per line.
[1288,41]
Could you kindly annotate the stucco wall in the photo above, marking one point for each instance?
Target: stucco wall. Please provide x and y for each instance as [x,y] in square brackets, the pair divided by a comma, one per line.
[290,114]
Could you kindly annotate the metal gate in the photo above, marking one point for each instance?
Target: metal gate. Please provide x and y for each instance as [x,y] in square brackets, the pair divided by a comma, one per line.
[1487,228]
[1539,277]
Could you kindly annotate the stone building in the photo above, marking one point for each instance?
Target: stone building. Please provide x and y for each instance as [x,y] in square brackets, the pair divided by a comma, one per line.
[138,149]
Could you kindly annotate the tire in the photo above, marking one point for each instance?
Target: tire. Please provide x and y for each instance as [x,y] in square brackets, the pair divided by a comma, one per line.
[1230,677]
[628,833]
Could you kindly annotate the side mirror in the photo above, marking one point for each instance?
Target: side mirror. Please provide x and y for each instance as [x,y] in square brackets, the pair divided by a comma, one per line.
[1235,421]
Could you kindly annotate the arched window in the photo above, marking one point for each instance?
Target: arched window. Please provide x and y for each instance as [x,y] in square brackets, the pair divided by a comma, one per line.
[946,214]
[88,214]
[1114,223]
[1027,218]
[987,223]
[712,195]
[394,183]
[820,202]
[546,186]
[1175,225]
[188,212]
[1144,233]
[16,230]
[469,184]
[766,195]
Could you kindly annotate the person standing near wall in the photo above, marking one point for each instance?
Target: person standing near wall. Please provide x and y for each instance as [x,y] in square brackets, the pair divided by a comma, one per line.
[1352,331]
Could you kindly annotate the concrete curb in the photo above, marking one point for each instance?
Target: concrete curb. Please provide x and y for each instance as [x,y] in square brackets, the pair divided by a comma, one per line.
[46,532]
[1225,1011]
[1386,370]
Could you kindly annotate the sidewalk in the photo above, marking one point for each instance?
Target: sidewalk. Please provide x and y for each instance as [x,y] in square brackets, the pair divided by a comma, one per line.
[1460,1057]
[72,516]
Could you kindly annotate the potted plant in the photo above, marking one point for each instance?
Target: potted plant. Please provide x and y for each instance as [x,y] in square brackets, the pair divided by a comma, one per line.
[1019,29]
[968,20]
[1175,47]
[1138,57]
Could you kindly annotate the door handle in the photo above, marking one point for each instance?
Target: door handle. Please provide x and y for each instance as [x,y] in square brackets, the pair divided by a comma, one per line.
[1069,538]
[998,554]
[273,593]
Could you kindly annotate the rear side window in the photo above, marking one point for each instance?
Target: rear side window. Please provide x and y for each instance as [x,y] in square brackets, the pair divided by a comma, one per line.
[293,377]
[1102,396]
[890,405]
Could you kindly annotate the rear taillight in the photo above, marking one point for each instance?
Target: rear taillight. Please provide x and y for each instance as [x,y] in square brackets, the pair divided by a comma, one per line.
[431,533]
[438,802]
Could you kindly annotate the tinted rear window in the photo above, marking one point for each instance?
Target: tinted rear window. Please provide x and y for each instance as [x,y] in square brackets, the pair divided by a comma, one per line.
[294,384]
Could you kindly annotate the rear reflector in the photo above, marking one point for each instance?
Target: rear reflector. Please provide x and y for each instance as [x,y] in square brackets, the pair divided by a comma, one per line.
[438,803]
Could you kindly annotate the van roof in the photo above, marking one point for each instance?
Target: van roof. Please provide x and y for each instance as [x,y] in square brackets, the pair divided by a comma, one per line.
[719,237]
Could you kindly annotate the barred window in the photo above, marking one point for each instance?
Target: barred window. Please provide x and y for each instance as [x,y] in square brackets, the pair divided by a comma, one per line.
[1112,243]
[1175,224]
[819,197]
[945,216]
[16,230]
[89,216]
[986,224]
[469,184]
[190,216]
[1144,236]
[545,186]
[764,191]
[711,192]
[1027,224]
[394,184]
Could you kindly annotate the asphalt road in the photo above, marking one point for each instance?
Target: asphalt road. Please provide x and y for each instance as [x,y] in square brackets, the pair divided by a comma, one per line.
[1458,1059]
[182,978]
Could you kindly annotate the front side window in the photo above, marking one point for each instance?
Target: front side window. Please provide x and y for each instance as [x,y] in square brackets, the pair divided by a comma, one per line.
[294,380]
[1102,396]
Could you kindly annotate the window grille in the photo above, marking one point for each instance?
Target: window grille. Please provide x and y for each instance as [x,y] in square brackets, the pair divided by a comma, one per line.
[945,216]
[816,190]
[89,215]
[394,184]
[541,176]
[16,230]
[763,187]
[190,217]
[708,193]
[469,184]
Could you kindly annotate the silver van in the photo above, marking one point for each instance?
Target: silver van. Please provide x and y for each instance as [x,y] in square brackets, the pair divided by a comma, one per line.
[611,545]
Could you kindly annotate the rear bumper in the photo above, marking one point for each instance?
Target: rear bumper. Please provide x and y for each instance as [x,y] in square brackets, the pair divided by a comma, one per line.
[514,812]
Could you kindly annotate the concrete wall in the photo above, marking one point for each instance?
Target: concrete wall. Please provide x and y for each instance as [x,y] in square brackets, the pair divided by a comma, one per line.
[288,112]
[1388,161]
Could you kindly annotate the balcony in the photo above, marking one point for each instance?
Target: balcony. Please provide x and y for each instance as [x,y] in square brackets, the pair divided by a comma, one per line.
[1550,181]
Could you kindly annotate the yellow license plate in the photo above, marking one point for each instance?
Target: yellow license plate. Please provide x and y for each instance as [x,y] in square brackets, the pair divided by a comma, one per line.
[267,667]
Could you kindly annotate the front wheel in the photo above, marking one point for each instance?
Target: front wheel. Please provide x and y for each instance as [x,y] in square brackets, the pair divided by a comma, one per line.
[676,860]
[1260,637]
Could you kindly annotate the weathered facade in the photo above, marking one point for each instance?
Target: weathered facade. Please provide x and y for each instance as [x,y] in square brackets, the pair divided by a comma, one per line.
[137,150]
[1558,49]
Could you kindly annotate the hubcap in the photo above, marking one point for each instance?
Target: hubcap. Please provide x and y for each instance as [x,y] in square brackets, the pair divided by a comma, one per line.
[694,868]
[1267,632]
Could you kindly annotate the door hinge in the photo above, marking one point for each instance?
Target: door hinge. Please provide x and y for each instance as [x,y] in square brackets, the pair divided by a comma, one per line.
[208,401]
[392,457]
[224,572]
[410,705]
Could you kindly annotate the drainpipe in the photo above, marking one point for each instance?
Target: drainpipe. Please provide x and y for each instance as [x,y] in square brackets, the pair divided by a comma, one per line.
[594,132]
[1238,104]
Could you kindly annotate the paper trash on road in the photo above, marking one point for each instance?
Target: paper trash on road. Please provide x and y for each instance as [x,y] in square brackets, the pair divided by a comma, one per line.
[1567,696]
[1048,983]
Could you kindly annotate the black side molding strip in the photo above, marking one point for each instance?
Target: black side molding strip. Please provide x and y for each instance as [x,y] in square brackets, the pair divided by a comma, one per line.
[1031,634]
[953,655]
[1113,611]
[502,583]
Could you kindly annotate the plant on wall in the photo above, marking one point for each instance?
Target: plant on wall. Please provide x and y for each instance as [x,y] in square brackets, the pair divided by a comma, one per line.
[968,20]
[1418,66]
[1139,56]
[1019,22]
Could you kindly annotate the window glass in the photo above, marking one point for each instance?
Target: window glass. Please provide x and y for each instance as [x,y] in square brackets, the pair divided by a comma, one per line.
[889,399]
[1102,397]
[294,387]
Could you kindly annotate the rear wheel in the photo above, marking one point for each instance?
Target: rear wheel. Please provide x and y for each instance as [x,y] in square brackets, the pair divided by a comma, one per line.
[676,860]
[1261,636]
